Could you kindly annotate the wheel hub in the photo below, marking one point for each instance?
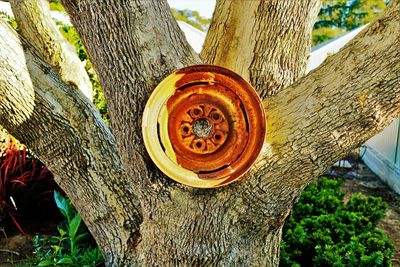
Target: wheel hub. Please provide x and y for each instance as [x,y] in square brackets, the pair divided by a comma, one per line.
[204,126]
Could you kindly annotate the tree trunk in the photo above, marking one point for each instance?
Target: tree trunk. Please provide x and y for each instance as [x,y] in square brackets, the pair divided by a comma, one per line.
[137,214]
[207,239]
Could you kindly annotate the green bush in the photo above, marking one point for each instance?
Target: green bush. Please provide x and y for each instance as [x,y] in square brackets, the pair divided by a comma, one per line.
[323,231]
[72,246]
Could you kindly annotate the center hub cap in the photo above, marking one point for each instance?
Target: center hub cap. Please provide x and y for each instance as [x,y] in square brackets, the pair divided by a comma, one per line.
[202,128]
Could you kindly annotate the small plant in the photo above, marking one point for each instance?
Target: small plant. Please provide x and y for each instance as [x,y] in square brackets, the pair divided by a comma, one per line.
[72,246]
[24,181]
[323,231]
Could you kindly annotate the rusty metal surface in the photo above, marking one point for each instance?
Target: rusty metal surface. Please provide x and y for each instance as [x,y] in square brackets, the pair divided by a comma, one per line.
[215,124]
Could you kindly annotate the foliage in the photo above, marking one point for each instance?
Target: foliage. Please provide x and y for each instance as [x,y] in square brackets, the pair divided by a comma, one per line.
[9,19]
[323,231]
[25,182]
[338,16]
[56,5]
[348,14]
[72,246]
[324,34]
[193,18]
[72,36]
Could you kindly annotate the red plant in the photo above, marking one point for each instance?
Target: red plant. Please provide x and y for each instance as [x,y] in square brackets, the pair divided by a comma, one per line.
[22,178]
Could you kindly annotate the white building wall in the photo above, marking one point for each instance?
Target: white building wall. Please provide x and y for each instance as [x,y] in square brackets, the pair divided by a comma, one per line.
[385,142]
[382,155]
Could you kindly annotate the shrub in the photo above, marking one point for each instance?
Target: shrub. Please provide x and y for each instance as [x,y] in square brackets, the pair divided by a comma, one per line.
[25,183]
[72,246]
[323,231]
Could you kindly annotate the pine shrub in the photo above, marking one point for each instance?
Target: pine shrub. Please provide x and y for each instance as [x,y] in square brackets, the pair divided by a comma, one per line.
[324,231]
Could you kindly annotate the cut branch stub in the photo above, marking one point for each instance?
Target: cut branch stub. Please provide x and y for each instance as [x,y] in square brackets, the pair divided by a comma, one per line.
[204,126]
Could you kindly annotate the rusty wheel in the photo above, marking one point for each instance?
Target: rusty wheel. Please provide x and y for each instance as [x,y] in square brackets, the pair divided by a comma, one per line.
[204,126]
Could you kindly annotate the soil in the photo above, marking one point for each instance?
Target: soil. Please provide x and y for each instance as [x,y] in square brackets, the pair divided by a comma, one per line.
[15,248]
[359,178]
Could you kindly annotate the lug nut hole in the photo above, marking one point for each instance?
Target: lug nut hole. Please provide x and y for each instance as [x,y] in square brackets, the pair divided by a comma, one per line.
[196,112]
[216,116]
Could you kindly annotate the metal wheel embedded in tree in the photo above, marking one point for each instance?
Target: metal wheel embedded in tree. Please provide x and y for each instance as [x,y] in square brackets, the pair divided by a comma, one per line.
[204,126]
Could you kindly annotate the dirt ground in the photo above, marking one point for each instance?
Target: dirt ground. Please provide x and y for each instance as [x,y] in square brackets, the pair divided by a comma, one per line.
[15,248]
[361,179]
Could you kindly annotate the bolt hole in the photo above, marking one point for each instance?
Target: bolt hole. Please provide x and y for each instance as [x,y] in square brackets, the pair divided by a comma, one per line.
[198,144]
[186,129]
[216,116]
[196,112]
[218,137]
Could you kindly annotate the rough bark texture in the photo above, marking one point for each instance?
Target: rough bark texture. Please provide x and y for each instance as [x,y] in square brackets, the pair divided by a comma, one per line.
[133,45]
[352,96]
[72,140]
[267,42]
[180,224]
[38,28]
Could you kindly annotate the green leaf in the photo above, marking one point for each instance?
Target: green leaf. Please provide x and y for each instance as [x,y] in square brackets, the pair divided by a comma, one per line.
[81,236]
[74,225]
[46,263]
[56,248]
[61,231]
[65,261]
[62,204]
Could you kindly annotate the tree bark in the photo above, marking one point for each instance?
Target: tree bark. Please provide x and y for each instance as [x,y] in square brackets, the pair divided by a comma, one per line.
[267,42]
[202,227]
[310,125]
[38,28]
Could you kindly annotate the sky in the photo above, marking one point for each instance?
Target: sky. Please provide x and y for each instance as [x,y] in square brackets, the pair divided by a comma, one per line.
[5,7]
[204,7]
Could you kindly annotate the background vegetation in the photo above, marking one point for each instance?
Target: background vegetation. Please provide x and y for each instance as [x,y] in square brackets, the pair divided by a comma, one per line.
[337,17]
[325,231]
[73,245]
[193,18]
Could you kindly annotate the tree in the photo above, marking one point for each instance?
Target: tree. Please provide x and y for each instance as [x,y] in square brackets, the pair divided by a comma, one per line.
[191,17]
[339,16]
[139,216]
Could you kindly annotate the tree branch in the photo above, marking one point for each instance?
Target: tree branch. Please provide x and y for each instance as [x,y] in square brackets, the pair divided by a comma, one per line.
[273,54]
[318,120]
[147,45]
[38,28]
[67,133]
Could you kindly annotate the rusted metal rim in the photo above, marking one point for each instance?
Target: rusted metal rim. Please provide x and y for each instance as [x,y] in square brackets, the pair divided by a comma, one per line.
[204,126]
